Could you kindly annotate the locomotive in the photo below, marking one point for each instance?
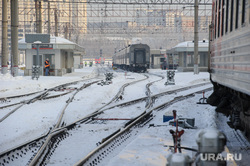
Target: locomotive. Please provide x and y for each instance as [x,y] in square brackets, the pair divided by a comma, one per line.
[135,57]
[230,61]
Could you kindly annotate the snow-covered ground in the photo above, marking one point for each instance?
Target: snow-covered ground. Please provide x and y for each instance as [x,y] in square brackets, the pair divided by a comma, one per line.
[147,149]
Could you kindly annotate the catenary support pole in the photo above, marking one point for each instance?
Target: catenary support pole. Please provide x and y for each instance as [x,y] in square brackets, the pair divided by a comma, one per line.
[14,37]
[38,7]
[196,38]
[48,17]
[37,16]
[40,16]
[56,28]
[4,60]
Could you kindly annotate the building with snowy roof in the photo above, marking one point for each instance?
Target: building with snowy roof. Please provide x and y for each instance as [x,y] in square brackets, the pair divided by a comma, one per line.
[185,53]
[63,54]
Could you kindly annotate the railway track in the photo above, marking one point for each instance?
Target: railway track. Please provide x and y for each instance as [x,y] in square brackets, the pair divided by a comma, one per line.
[7,101]
[45,95]
[125,134]
[42,139]
[61,131]
[42,153]
[54,132]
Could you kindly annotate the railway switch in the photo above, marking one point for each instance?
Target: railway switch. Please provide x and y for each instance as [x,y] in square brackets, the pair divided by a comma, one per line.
[108,79]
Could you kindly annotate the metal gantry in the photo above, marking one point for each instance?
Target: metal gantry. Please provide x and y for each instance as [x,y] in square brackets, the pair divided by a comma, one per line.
[110,24]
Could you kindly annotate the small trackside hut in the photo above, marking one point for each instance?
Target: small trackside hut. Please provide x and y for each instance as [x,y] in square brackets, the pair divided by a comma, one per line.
[183,55]
[60,52]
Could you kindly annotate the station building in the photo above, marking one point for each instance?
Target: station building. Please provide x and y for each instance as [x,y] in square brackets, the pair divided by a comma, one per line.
[64,55]
[183,55]
[157,57]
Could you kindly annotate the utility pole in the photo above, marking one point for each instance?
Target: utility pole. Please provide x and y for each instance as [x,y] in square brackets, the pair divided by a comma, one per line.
[66,30]
[14,37]
[37,15]
[70,21]
[56,28]
[48,17]
[38,7]
[196,38]
[4,60]
[209,46]
[40,16]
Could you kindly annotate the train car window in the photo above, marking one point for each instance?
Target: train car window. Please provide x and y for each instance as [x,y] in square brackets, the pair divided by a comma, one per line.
[222,17]
[227,11]
[237,14]
[232,15]
[243,12]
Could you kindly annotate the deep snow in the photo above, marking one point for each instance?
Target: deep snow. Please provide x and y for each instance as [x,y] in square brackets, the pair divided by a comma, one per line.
[147,149]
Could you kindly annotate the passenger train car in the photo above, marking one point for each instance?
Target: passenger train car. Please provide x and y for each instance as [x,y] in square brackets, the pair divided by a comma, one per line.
[135,57]
[230,61]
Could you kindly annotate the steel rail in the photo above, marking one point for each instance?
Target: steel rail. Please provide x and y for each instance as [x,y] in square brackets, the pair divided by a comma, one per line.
[44,146]
[57,129]
[69,101]
[136,121]
[38,97]
[117,105]
[58,123]
[27,102]
[10,105]
[69,126]
[148,93]
[43,136]
[44,98]
[152,97]
[99,110]
[58,86]
[28,94]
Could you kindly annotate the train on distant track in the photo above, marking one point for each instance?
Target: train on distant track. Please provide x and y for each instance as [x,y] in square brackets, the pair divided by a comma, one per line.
[134,57]
[230,61]
[99,60]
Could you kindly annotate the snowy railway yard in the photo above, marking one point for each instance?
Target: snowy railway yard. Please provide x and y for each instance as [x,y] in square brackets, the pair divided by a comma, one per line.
[72,120]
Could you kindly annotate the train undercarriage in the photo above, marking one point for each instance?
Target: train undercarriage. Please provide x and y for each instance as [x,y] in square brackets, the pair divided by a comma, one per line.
[234,105]
[136,68]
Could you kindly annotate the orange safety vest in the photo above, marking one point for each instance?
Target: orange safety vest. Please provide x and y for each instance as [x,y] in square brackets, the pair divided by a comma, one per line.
[47,65]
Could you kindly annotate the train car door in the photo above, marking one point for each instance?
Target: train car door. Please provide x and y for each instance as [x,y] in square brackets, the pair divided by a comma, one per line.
[140,56]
